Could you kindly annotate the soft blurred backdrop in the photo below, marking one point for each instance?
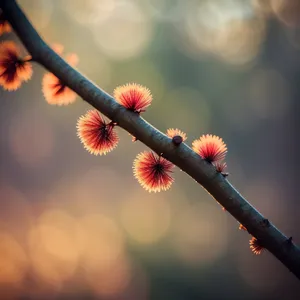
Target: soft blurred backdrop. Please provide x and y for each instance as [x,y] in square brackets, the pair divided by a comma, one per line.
[76,226]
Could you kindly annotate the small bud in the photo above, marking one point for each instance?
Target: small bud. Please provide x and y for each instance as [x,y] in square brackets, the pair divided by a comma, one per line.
[176,135]
[256,246]
[133,138]
[177,140]
[266,222]
[242,227]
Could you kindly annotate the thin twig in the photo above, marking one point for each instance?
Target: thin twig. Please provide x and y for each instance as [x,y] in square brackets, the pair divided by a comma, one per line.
[182,156]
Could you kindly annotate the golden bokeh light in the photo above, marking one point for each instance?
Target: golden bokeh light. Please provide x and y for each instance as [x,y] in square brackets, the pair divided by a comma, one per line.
[13,260]
[199,235]
[74,226]
[104,261]
[88,192]
[16,214]
[222,29]
[125,33]
[39,12]
[59,234]
[55,247]
[145,218]
[102,240]
[112,280]
[89,12]
[262,7]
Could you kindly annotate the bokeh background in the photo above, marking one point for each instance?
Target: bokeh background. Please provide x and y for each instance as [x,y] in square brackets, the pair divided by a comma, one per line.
[77,226]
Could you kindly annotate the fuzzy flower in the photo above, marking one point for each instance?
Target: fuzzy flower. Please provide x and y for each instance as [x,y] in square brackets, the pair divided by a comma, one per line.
[58,48]
[220,168]
[134,97]
[210,147]
[13,69]
[256,246]
[133,138]
[4,25]
[176,135]
[242,227]
[153,172]
[97,136]
[55,91]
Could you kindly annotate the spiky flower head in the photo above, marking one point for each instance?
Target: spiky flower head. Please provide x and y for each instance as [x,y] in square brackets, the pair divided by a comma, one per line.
[210,147]
[13,68]
[220,166]
[133,96]
[255,246]
[55,91]
[153,172]
[98,136]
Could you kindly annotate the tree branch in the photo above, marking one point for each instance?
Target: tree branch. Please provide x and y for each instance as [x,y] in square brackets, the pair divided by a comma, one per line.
[182,156]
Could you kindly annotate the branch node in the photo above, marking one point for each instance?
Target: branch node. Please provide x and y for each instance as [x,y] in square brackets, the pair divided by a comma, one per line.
[113,123]
[134,139]
[177,140]
[266,223]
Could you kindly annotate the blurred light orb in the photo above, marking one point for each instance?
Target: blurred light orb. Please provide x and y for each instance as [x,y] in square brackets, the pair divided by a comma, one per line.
[102,242]
[161,10]
[223,29]
[262,7]
[103,258]
[13,260]
[125,33]
[88,12]
[31,138]
[16,212]
[146,219]
[110,281]
[199,239]
[239,42]
[39,12]
[287,11]
[54,247]
[59,236]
